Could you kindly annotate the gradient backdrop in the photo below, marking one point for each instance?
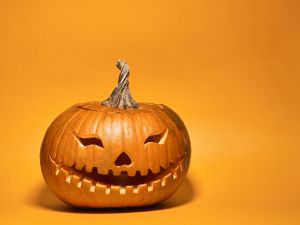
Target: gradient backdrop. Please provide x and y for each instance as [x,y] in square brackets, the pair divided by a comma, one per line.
[230,69]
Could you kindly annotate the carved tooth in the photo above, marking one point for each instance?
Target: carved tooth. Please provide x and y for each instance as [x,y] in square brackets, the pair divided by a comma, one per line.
[163,182]
[75,179]
[92,188]
[142,188]
[175,175]
[57,171]
[69,163]
[155,170]
[122,191]
[101,187]
[116,172]
[115,189]
[86,183]
[131,172]
[68,179]
[156,184]
[150,187]
[144,172]
[78,166]
[107,190]
[79,184]
[136,190]
[88,169]
[102,171]
[164,166]
[166,179]
[129,189]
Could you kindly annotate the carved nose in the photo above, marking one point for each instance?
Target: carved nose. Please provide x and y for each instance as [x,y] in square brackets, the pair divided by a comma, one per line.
[123,159]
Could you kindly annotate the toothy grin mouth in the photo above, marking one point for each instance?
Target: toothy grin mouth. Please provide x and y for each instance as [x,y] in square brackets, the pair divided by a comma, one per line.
[122,182]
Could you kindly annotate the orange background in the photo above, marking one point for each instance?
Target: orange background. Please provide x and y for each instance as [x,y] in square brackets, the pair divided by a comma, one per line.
[230,69]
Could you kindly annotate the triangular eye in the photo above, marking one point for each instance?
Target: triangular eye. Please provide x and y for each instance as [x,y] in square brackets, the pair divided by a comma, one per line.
[158,138]
[91,140]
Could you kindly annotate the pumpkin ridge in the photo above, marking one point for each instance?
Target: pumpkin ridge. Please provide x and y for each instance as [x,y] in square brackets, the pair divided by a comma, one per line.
[72,150]
[63,131]
[164,116]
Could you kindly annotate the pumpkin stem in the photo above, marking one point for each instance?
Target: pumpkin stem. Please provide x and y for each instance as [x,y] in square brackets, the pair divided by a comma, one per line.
[121,97]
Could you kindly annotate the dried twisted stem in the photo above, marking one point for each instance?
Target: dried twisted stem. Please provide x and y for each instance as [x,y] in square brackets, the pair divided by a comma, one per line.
[121,97]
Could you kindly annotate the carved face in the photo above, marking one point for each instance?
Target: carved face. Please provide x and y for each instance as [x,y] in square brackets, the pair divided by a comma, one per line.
[97,156]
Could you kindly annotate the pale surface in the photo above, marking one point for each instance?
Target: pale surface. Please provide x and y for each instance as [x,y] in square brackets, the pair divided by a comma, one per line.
[229,68]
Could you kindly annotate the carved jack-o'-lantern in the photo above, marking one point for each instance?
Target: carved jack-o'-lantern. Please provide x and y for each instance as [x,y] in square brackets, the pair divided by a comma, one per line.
[115,153]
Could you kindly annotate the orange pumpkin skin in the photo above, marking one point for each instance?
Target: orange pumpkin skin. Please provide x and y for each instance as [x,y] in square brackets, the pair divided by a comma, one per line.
[115,153]
[98,156]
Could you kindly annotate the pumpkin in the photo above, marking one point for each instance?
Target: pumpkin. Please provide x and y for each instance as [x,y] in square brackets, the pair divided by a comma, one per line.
[115,153]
